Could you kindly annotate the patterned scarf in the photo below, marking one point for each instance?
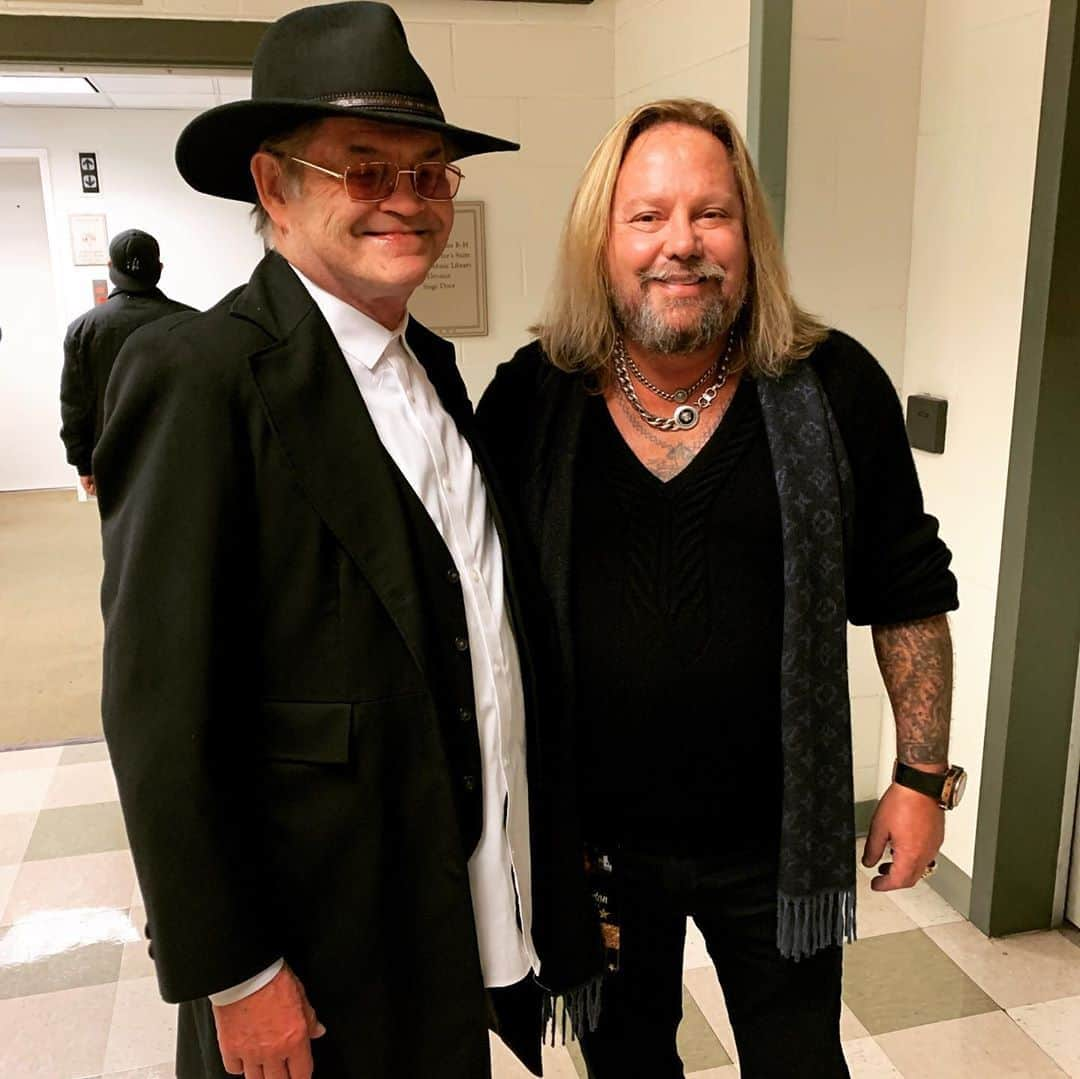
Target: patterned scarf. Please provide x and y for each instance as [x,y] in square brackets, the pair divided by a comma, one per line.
[816,901]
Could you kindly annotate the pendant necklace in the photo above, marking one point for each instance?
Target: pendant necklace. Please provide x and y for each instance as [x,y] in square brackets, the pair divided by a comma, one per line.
[686,415]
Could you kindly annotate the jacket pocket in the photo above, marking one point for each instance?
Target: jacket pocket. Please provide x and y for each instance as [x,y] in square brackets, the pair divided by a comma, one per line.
[311,732]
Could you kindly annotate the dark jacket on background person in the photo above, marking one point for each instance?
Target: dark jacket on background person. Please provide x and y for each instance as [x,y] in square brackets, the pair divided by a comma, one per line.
[285,701]
[91,346]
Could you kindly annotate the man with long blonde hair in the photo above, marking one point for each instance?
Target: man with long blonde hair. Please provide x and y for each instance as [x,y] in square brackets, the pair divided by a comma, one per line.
[715,483]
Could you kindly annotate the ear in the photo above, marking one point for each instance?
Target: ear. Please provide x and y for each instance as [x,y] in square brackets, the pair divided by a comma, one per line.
[270,186]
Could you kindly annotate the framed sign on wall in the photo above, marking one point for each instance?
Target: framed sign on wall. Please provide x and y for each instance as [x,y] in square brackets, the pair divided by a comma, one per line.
[89,239]
[452,301]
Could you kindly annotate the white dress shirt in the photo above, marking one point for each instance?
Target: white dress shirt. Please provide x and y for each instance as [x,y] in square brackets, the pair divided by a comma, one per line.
[431,454]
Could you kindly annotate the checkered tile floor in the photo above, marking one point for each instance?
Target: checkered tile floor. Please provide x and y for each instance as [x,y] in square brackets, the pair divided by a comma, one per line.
[925,994]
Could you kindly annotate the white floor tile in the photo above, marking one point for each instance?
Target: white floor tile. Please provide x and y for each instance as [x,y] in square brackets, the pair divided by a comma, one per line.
[1028,968]
[867,1060]
[63,1034]
[876,914]
[15,832]
[143,1030]
[23,791]
[1055,1027]
[18,760]
[989,1046]
[86,880]
[8,873]
[81,784]
[924,906]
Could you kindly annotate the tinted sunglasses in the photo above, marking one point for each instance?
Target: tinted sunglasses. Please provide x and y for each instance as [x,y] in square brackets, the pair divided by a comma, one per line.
[373,181]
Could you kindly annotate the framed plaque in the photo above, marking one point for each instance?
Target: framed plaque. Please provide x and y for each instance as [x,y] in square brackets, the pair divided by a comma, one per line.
[89,239]
[452,301]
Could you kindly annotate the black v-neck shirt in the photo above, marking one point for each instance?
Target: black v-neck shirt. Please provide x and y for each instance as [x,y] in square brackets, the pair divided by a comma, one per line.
[677,611]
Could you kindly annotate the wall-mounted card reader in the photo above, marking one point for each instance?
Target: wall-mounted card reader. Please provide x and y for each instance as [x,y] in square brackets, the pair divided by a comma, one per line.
[926,422]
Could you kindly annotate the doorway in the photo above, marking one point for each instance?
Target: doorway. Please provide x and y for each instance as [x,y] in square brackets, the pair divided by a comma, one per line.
[31,346]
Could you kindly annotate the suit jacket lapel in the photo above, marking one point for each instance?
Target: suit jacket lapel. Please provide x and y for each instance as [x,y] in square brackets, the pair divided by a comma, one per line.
[319,417]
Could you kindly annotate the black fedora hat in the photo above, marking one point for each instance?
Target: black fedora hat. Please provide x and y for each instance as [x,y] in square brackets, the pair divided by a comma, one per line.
[349,60]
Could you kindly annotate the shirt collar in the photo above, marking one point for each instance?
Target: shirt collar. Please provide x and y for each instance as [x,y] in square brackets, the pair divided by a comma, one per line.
[356,333]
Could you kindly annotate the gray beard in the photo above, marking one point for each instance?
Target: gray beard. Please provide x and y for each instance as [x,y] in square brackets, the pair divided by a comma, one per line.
[647,327]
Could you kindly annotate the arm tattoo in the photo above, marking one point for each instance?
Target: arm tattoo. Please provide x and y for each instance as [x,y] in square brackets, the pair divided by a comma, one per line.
[916,661]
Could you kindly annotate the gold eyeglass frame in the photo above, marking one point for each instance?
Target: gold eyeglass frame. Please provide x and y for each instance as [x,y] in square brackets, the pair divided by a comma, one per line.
[344,177]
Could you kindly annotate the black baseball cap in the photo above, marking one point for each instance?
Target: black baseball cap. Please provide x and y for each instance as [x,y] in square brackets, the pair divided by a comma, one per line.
[135,261]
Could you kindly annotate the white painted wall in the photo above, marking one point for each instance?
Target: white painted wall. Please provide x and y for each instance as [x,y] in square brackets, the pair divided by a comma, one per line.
[31,455]
[682,48]
[978,130]
[852,129]
[530,72]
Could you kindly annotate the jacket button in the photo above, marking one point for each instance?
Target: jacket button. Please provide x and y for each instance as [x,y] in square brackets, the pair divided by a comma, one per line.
[461,644]
[465,715]
[469,783]
[453,576]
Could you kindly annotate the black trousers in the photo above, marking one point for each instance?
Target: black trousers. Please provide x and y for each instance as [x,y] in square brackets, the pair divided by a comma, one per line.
[785,1015]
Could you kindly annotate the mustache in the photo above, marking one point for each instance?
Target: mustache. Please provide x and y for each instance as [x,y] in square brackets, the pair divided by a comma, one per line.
[691,268]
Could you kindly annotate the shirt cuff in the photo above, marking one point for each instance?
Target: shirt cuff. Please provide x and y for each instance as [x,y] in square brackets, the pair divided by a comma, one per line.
[245,989]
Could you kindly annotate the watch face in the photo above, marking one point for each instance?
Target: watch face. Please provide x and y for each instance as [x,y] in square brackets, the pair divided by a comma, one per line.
[956,788]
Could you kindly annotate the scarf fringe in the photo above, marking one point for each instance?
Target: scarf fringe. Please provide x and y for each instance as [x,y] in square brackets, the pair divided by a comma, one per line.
[806,924]
[574,1008]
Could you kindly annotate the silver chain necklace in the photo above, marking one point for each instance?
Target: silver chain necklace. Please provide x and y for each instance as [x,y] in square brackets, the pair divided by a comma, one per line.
[676,397]
[686,416]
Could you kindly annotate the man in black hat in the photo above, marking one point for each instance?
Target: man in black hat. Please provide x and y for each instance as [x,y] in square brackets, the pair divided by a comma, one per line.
[315,697]
[94,339]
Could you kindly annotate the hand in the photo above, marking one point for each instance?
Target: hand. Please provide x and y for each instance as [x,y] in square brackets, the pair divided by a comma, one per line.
[268,1035]
[88,484]
[913,826]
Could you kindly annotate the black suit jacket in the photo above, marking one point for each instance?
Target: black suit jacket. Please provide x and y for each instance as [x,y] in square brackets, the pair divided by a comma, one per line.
[274,736]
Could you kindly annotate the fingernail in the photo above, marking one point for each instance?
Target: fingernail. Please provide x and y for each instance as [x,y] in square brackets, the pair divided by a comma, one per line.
[320,1030]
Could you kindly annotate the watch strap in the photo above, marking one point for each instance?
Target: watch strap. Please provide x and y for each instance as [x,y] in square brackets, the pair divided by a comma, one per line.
[932,784]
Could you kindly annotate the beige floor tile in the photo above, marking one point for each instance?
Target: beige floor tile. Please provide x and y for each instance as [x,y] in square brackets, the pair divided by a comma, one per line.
[15,832]
[23,790]
[17,760]
[1055,1028]
[728,1071]
[867,1060]
[876,914]
[904,980]
[924,906]
[71,968]
[504,1065]
[1028,968]
[64,1034]
[81,784]
[85,752]
[699,1047]
[978,1047]
[704,987]
[86,881]
[79,829]
[143,1030]
[1070,933]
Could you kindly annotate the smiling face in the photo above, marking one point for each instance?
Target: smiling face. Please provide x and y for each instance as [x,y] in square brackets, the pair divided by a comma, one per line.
[677,255]
[371,255]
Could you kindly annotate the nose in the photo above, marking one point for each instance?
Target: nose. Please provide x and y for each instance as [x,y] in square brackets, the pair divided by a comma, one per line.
[681,240]
[403,199]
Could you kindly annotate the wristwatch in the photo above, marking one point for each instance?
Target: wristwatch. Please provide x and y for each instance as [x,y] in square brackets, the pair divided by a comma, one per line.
[946,788]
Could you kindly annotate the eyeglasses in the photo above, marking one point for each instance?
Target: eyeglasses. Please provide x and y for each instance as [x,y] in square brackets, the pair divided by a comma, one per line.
[373,181]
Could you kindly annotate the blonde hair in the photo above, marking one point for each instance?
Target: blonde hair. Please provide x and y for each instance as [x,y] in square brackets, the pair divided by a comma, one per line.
[578,328]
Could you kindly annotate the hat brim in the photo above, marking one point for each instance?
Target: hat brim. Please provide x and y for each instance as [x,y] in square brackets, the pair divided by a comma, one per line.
[214,151]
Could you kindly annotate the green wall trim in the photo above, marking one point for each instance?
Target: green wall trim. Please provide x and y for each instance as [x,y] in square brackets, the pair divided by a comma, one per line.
[1037,621]
[952,884]
[144,42]
[863,812]
[768,97]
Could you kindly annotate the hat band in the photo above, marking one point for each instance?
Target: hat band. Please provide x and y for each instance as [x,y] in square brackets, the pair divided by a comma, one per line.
[379,99]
